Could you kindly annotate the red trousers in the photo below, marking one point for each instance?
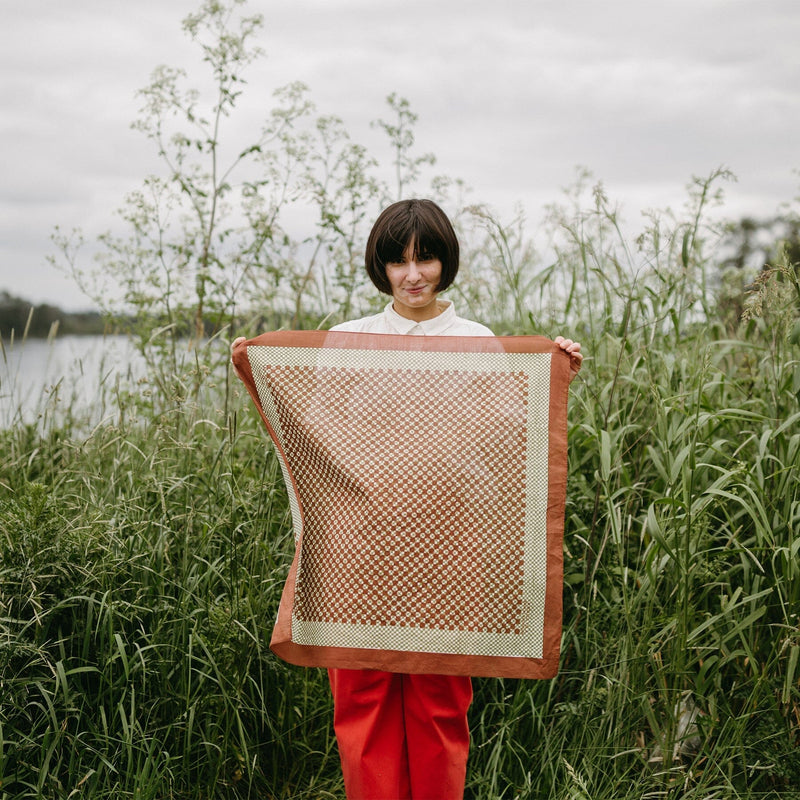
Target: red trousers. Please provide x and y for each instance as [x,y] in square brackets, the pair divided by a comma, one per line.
[401,737]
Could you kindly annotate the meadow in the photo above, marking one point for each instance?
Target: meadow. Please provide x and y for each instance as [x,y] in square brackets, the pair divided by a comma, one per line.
[142,556]
[145,537]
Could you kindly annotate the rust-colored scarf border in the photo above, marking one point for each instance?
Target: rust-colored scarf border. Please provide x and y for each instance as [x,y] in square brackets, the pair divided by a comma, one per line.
[517,630]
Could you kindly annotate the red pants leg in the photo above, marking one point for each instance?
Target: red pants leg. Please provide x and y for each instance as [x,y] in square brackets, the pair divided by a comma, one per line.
[370,732]
[401,736]
[437,734]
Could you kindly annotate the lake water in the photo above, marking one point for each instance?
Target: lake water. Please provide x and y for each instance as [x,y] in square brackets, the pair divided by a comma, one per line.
[40,378]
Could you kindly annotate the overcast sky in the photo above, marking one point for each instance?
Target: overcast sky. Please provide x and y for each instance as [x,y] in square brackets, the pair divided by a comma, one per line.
[512,96]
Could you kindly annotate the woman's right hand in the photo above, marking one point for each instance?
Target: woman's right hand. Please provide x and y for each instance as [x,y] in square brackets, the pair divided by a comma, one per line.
[235,342]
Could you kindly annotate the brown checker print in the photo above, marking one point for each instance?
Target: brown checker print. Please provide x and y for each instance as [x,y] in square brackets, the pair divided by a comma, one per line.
[364,445]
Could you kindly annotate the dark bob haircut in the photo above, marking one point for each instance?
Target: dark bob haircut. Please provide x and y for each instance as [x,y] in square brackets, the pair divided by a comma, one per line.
[421,222]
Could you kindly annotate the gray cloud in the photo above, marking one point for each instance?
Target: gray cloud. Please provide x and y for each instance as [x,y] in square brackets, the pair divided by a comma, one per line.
[511,95]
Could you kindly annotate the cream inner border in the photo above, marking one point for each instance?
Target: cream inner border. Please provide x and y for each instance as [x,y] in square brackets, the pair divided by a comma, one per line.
[536,366]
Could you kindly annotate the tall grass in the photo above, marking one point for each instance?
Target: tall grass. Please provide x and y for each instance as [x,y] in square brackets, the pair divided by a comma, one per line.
[141,563]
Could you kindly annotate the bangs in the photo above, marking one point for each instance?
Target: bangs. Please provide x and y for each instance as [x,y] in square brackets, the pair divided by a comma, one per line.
[391,247]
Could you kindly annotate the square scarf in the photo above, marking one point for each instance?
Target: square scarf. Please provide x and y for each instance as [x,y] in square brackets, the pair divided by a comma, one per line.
[427,483]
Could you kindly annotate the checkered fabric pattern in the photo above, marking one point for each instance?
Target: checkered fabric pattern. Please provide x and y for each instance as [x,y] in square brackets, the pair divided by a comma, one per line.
[419,482]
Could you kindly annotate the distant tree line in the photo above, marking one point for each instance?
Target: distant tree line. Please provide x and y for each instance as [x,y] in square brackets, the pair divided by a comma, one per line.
[19,317]
[754,244]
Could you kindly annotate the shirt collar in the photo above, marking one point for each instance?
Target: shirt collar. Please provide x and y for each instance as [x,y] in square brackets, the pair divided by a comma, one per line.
[430,327]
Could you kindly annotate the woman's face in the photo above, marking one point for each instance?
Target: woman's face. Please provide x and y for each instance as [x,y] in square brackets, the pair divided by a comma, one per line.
[414,283]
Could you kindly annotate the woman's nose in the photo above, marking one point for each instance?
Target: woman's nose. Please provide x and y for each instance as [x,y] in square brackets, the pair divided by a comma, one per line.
[413,273]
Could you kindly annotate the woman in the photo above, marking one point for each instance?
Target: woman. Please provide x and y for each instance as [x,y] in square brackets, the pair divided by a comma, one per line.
[401,735]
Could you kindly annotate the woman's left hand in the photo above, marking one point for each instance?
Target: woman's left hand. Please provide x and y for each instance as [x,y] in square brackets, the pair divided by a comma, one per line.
[574,349]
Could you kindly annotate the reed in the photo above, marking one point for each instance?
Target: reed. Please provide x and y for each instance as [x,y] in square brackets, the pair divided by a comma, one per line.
[141,562]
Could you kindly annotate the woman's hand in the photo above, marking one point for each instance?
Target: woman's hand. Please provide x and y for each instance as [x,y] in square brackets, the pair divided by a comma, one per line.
[233,345]
[573,349]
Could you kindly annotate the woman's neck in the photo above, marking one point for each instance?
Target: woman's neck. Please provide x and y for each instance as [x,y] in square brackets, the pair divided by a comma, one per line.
[421,314]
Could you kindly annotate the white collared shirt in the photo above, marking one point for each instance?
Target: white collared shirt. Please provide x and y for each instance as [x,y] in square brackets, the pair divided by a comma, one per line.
[448,323]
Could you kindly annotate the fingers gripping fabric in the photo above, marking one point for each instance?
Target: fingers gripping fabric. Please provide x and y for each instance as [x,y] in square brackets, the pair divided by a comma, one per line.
[426,481]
